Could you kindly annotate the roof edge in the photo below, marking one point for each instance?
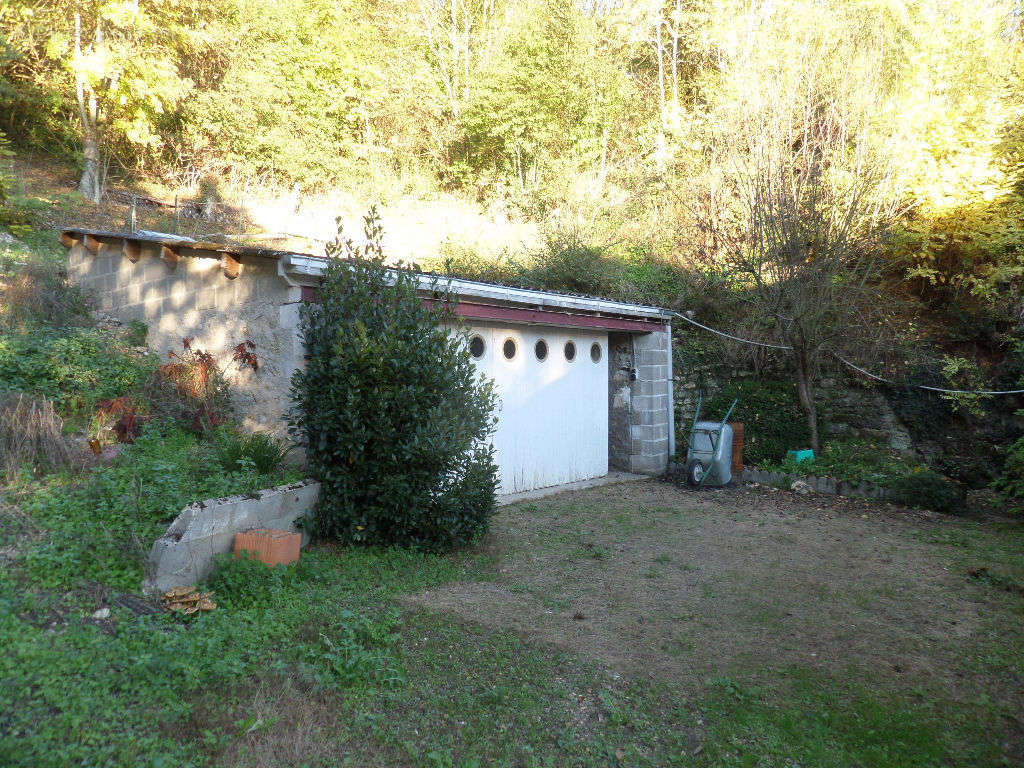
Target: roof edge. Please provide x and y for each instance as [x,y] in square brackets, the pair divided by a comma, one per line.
[302,269]
[305,269]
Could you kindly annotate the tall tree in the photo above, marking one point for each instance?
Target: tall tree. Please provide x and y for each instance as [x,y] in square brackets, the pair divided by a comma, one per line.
[802,197]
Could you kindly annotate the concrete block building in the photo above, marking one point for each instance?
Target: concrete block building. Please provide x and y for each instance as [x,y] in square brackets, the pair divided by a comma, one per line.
[585,384]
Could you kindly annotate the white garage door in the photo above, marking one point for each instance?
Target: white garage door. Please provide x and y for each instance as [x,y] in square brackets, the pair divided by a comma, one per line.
[553,415]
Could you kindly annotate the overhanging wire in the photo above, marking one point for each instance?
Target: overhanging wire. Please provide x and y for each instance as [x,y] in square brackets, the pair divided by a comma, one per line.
[851,365]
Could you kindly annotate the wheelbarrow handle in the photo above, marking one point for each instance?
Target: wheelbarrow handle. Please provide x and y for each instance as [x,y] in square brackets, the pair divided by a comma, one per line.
[729,412]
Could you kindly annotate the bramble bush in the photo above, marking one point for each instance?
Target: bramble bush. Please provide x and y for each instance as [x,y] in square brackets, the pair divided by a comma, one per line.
[390,409]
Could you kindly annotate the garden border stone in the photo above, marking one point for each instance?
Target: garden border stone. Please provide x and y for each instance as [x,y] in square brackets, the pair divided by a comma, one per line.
[828,485]
[184,554]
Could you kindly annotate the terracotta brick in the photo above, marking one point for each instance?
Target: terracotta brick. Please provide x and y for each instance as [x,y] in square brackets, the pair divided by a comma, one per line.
[269,546]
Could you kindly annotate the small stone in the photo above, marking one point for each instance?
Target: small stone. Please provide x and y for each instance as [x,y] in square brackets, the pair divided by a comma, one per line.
[102,613]
[799,486]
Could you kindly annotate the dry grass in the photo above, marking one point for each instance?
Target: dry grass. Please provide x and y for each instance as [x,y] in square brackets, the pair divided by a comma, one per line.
[31,433]
[277,722]
[418,224]
[681,587]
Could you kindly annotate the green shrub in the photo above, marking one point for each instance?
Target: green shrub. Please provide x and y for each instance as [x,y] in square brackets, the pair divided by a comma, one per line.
[390,409]
[927,489]
[650,280]
[569,263]
[773,422]
[1009,486]
[852,460]
[458,260]
[265,453]
[74,367]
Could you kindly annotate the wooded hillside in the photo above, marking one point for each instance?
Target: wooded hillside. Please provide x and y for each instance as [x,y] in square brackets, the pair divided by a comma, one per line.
[840,179]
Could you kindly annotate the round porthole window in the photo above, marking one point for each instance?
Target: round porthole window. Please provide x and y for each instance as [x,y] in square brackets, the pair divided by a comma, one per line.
[540,349]
[570,351]
[595,352]
[476,347]
[509,349]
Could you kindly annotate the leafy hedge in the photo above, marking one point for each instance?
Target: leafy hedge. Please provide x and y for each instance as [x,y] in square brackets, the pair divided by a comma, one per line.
[391,410]
[928,489]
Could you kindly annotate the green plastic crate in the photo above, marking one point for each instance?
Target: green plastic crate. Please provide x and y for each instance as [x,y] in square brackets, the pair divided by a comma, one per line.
[803,455]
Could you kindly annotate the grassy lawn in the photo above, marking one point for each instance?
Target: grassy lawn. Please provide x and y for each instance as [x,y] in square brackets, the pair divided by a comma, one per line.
[627,625]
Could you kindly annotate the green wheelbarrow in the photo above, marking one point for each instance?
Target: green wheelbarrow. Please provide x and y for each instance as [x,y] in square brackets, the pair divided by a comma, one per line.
[709,452]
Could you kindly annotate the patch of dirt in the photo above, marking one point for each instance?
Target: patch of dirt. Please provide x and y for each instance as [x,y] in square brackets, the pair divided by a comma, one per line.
[683,586]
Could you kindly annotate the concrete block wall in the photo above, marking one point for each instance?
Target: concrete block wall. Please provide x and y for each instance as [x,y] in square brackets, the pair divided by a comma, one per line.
[184,554]
[195,298]
[640,409]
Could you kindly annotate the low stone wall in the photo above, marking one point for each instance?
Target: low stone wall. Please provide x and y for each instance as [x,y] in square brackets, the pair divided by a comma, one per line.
[827,485]
[184,554]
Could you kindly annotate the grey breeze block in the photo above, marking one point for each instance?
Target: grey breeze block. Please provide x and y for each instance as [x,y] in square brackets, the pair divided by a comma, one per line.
[184,554]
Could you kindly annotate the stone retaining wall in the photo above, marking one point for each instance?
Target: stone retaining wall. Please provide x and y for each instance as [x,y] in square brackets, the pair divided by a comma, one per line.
[827,485]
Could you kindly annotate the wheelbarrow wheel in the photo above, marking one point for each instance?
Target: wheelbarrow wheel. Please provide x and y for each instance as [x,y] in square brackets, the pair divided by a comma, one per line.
[695,472]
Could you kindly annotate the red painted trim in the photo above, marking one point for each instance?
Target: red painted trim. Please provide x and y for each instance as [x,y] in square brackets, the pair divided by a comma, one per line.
[551,317]
[533,316]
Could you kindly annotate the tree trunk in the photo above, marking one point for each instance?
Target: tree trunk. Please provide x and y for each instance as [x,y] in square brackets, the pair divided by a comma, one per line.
[805,391]
[90,183]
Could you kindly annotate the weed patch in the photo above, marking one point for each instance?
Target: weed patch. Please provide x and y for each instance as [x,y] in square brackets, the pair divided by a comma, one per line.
[74,367]
[99,527]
